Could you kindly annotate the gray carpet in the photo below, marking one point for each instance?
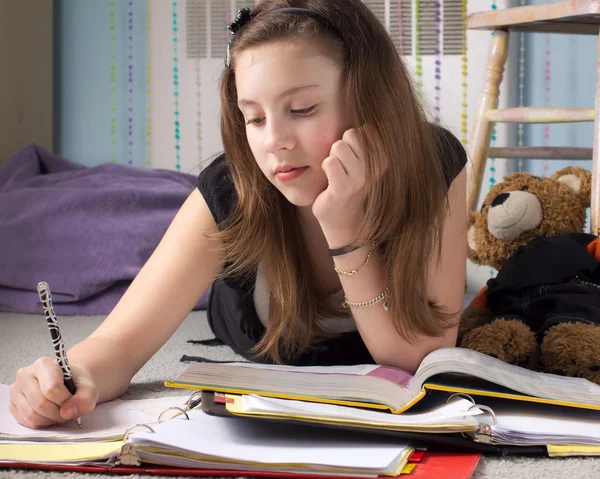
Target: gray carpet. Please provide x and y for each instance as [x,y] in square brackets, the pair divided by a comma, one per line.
[23,338]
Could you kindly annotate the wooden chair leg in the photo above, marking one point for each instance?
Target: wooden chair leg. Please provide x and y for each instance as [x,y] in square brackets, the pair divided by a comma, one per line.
[482,127]
[595,205]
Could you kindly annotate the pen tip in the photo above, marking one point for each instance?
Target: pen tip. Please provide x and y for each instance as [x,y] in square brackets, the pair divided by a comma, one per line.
[78,421]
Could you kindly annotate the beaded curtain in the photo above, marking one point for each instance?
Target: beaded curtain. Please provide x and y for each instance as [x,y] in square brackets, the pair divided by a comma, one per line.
[155,66]
[178,125]
[126,119]
[422,30]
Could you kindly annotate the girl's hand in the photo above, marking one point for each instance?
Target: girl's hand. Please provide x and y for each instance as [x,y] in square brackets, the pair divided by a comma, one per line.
[39,398]
[339,208]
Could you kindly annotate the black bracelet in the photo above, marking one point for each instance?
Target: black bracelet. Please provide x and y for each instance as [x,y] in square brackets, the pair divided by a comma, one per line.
[344,250]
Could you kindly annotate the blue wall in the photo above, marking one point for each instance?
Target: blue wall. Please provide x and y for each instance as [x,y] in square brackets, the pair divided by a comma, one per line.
[83,97]
[573,60]
[82,110]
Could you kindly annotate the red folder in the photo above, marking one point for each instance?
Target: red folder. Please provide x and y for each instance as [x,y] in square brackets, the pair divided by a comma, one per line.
[445,465]
[429,465]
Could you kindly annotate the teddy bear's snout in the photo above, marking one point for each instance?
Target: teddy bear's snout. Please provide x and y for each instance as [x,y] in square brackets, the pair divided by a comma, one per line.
[512,213]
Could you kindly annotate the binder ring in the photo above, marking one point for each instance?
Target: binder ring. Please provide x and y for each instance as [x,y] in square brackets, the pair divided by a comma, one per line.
[168,409]
[485,408]
[190,403]
[130,430]
[462,395]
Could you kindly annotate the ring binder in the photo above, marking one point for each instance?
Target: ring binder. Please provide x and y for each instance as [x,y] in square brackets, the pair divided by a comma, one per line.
[190,404]
[462,395]
[183,411]
[129,430]
[128,455]
[484,433]
[485,408]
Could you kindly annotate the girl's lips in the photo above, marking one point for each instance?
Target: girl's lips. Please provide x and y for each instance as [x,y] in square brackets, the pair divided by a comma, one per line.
[291,174]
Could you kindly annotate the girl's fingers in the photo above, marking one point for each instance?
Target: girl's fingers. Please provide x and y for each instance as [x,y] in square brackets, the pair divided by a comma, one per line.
[26,415]
[335,172]
[353,164]
[38,402]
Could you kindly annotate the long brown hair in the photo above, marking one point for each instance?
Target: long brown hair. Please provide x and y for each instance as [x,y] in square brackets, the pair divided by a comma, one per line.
[404,209]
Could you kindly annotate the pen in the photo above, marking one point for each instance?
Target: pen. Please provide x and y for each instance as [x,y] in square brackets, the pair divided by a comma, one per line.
[57,341]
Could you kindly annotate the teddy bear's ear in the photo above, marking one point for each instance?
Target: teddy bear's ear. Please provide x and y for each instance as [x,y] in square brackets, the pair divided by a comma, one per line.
[579,181]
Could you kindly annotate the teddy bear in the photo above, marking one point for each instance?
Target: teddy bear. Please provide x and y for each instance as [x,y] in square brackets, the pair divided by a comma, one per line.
[542,309]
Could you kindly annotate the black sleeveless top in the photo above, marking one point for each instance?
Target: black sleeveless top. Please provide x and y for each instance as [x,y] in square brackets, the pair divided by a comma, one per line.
[231,312]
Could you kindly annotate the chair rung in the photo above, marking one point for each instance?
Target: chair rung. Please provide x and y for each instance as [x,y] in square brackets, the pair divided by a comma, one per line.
[541,115]
[542,153]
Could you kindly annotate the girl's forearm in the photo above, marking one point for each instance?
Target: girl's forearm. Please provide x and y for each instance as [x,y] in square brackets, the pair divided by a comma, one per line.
[374,323]
[107,364]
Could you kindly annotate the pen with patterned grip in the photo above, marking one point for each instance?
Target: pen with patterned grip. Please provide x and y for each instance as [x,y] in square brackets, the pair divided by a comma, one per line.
[57,341]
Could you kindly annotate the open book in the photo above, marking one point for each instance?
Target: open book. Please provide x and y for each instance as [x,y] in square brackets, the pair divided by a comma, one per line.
[382,387]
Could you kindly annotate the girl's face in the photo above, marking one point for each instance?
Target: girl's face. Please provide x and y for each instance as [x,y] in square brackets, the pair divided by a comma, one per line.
[291,99]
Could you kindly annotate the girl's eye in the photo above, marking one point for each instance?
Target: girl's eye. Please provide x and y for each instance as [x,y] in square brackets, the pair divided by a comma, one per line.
[301,112]
[255,121]
[304,111]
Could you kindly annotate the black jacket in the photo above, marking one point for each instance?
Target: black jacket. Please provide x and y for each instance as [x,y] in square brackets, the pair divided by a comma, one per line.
[551,280]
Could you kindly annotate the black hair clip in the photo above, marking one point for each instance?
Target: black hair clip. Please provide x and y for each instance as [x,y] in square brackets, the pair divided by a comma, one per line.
[242,17]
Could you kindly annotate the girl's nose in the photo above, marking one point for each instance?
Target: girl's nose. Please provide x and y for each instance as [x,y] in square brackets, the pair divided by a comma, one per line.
[279,137]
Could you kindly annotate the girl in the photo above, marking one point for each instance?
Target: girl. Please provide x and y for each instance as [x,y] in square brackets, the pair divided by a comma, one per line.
[333,227]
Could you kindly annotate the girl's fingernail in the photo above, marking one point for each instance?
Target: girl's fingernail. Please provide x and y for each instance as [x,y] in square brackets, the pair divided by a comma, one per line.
[72,412]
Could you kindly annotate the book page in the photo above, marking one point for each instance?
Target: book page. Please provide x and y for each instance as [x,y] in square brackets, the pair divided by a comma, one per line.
[355,370]
[526,423]
[467,361]
[60,453]
[233,439]
[395,375]
[452,413]
[108,420]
